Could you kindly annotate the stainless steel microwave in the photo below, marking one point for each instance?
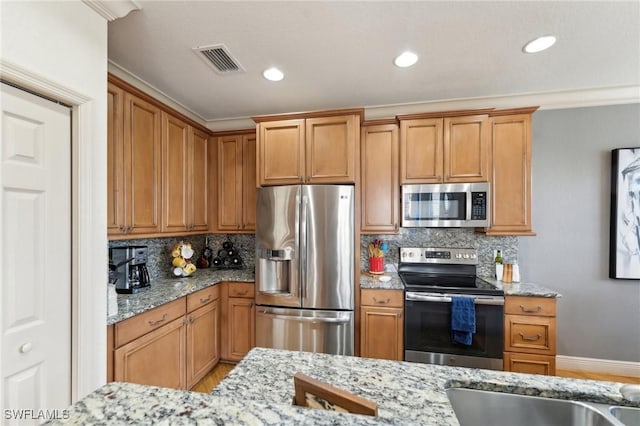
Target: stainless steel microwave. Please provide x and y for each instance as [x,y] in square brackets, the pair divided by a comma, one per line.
[446,205]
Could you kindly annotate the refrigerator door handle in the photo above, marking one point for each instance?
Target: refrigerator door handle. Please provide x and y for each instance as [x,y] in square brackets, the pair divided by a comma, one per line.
[304,319]
[303,245]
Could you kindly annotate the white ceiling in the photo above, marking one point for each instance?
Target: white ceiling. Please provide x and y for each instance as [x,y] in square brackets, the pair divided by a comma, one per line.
[340,54]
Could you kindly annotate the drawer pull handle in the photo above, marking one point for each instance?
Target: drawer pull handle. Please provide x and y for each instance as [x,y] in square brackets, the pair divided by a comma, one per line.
[531,311]
[387,300]
[242,293]
[202,300]
[152,322]
[530,339]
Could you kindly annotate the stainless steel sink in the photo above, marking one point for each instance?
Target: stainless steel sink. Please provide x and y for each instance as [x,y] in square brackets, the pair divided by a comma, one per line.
[630,416]
[487,408]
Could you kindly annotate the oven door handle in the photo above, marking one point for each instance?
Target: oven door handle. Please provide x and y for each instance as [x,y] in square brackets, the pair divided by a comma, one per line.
[446,298]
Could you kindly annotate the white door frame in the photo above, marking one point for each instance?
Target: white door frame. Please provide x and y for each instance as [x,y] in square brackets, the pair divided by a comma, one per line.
[88,239]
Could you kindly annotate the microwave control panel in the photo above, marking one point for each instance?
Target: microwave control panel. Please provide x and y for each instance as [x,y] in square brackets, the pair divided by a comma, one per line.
[478,205]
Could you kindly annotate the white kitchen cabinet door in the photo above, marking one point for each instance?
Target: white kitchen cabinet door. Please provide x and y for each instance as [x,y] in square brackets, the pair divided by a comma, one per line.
[35,253]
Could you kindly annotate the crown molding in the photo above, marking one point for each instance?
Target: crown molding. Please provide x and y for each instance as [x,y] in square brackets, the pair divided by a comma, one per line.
[547,101]
[129,77]
[565,99]
[114,9]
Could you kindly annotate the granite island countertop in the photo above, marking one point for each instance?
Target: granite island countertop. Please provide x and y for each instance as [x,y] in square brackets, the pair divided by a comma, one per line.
[260,388]
[165,290]
[410,391]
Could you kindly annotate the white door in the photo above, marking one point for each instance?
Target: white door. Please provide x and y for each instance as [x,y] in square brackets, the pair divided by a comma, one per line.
[35,254]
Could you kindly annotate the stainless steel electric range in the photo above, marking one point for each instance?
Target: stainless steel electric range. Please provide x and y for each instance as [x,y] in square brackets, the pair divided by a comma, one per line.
[432,277]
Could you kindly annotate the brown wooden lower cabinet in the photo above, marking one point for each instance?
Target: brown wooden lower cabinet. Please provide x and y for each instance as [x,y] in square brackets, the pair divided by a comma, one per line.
[530,335]
[239,320]
[203,341]
[382,324]
[110,354]
[176,344]
[530,363]
[157,358]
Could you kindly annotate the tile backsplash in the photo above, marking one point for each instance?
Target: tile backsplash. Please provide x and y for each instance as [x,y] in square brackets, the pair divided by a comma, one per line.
[444,237]
[159,263]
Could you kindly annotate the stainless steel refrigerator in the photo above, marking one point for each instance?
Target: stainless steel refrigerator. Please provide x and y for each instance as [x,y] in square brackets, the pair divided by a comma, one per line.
[305,268]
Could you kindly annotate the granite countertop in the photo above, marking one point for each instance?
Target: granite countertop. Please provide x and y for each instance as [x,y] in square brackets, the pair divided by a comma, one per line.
[127,403]
[260,388]
[368,281]
[403,390]
[522,288]
[165,290]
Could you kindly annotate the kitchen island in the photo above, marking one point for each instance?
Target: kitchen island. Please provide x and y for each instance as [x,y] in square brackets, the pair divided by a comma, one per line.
[259,390]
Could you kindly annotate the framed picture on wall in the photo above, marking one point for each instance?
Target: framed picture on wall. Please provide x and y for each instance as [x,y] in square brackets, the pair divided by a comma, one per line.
[624,244]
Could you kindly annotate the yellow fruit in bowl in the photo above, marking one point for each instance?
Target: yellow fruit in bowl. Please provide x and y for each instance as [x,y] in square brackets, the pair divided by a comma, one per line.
[179,262]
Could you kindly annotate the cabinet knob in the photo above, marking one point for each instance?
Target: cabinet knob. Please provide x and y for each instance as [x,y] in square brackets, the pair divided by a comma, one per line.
[26,348]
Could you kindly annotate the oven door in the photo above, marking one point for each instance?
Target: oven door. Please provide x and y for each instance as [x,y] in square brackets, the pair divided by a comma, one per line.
[427,331]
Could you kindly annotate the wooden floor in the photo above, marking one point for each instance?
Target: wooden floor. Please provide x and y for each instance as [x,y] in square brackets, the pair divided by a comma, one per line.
[212,378]
[594,375]
[219,372]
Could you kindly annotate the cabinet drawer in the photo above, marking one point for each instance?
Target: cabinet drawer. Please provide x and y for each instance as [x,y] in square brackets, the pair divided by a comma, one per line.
[141,324]
[388,298]
[241,290]
[522,305]
[530,363]
[202,297]
[530,334]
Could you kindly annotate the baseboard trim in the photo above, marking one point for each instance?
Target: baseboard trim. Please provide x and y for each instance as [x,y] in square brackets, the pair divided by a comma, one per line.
[622,368]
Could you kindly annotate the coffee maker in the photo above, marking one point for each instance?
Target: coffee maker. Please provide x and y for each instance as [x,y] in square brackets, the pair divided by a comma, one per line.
[128,268]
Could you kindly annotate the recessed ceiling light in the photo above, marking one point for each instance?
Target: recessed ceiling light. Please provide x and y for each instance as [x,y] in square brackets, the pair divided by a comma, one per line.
[539,44]
[273,74]
[406,59]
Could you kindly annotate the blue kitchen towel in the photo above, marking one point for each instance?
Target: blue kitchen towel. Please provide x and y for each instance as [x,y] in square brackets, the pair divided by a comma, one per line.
[463,320]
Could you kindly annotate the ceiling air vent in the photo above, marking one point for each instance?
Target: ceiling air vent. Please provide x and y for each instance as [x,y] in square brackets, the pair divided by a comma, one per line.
[219,58]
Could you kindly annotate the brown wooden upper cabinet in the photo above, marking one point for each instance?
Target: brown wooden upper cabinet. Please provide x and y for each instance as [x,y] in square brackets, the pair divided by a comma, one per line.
[308,148]
[379,178]
[452,148]
[184,176]
[134,162]
[157,167]
[237,182]
[510,178]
